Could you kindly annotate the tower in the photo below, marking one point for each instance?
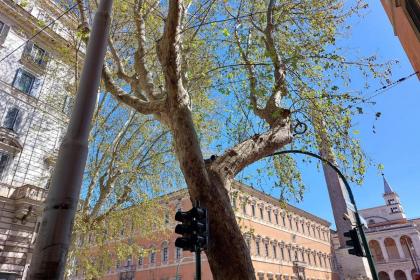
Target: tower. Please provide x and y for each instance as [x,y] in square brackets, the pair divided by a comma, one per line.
[395,210]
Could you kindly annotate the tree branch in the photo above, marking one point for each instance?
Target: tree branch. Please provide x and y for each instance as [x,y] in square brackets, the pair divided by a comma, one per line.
[143,107]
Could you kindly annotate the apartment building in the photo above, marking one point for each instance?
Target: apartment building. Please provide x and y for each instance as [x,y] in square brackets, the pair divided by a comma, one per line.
[285,243]
[35,98]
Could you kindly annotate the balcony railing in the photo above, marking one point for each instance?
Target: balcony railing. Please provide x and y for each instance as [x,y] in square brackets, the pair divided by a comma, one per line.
[37,64]
[29,192]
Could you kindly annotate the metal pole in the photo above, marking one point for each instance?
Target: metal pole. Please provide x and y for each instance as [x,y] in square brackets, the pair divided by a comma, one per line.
[197,263]
[177,266]
[356,212]
[50,254]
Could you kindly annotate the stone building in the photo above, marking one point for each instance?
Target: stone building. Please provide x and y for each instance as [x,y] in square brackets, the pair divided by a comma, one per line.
[34,103]
[285,242]
[404,16]
[393,238]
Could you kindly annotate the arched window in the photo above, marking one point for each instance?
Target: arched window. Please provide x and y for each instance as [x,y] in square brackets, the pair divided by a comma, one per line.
[165,253]
[391,248]
[400,275]
[407,245]
[152,256]
[383,275]
[375,248]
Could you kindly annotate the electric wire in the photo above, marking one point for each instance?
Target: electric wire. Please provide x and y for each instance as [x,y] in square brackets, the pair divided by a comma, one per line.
[39,32]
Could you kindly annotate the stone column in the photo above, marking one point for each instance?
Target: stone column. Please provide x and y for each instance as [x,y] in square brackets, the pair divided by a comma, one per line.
[400,249]
[391,275]
[408,274]
[383,249]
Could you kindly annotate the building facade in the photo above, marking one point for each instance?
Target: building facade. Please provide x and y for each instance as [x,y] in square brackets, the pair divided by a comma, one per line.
[394,240]
[34,104]
[285,243]
[405,19]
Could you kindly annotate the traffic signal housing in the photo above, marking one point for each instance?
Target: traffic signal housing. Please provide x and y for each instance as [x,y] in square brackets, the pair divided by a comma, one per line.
[354,243]
[193,228]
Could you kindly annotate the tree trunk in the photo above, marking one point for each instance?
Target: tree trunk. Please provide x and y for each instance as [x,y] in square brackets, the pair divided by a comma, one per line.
[227,253]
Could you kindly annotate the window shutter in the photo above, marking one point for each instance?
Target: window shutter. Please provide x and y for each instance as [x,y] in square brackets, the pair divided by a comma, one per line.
[3,33]
[4,158]
[28,47]
[11,116]
[18,120]
[36,87]
[17,77]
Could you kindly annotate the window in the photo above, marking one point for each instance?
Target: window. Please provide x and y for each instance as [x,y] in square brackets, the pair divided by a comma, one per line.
[391,201]
[303,228]
[244,208]
[266,249]
[253,210]
[24,81]
[4,30]
[165,255]
[12,119]
[275,251]
[248,243]
[233,201]
[118,264]
[35,54]
[262,213]
[413,9]
[276,216]
[284,220]
[4,159]
[129,261]
[67,105]
[282,253]
[257,246]
[395,210]
[269,215]
[140,262]
[166,218]
[152,257]
[297,226]
[178,253]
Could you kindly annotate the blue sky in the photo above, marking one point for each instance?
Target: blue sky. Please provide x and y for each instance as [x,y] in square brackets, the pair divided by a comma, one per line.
[396,143]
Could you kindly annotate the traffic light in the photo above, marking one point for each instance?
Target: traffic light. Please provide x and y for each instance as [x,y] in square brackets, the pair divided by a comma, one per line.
[355,243]
[193,228]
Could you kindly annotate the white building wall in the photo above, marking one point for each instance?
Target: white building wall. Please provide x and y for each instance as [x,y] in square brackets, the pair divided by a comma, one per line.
[43,120]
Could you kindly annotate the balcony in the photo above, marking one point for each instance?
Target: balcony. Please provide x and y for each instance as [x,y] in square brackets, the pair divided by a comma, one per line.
[29,192]
[34,58]
[9,141]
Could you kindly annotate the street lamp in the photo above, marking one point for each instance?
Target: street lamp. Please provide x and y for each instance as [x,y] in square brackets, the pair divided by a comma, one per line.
[359,224]
[180,261]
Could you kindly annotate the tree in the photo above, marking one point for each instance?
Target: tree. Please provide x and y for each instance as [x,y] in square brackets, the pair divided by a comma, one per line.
[122,180]
[251,67]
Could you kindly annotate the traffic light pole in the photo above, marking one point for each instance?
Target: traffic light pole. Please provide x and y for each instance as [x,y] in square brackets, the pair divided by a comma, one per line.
[50,254]
[359,224]
[197,263]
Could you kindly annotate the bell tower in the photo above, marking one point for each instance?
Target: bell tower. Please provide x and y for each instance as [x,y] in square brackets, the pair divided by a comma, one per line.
[394,208]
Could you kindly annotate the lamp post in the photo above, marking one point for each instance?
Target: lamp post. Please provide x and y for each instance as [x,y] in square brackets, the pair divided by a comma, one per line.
[51,248]
[359,224]
[179,263]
